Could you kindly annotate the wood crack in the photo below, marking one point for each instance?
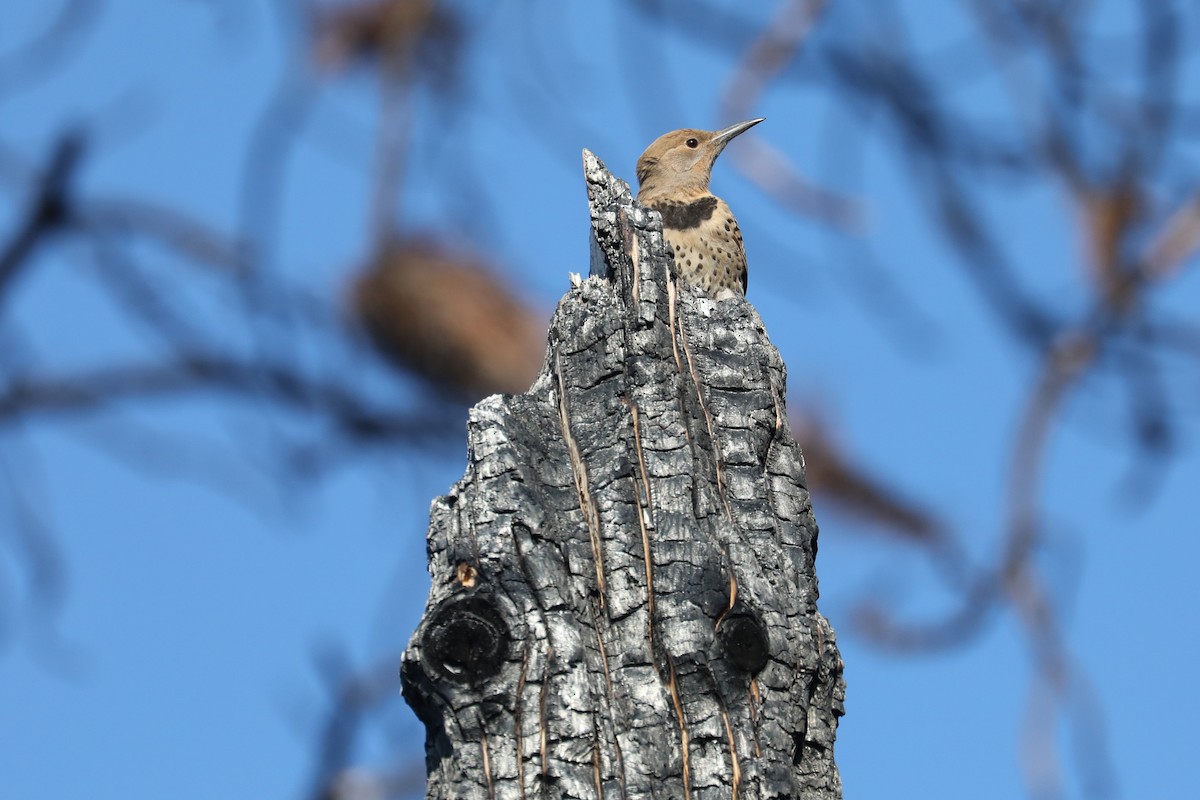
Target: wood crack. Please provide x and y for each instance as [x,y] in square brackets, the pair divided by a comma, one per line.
[579,470]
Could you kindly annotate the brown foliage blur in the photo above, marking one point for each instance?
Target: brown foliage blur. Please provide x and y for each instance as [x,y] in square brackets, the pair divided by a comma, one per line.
[449,319]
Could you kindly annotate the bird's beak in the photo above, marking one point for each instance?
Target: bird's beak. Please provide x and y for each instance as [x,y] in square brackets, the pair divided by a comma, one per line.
[723,138]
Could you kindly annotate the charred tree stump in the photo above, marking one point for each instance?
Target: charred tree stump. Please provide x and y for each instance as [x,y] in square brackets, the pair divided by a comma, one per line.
[624,602]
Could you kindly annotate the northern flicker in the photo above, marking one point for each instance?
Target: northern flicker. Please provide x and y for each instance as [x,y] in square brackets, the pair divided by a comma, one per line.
[673,176]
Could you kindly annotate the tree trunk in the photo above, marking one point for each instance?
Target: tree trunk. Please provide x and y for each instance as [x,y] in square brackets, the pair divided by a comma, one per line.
[624,602]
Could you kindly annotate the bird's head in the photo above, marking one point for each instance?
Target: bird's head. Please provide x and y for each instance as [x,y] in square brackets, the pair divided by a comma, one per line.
[680,162]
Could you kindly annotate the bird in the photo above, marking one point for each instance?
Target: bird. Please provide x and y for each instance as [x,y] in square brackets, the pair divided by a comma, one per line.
[673,176]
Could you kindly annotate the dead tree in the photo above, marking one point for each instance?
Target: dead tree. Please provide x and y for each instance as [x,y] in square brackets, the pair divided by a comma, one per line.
[624,602]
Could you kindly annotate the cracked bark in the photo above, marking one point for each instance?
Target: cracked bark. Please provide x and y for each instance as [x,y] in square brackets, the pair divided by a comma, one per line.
[624,602]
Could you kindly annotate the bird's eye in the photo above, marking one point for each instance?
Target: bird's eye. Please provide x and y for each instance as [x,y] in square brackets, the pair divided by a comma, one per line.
[693,143]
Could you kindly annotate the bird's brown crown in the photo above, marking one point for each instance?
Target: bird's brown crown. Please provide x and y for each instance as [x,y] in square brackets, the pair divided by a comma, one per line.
[679,164]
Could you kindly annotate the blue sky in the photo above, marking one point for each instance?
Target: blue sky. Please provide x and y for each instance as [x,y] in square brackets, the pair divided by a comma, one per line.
[184,664]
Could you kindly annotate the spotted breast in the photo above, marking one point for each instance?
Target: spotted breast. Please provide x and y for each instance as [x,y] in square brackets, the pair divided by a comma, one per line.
[707,243]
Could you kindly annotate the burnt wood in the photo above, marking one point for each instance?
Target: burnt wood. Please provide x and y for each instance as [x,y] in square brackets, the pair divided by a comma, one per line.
[624,602]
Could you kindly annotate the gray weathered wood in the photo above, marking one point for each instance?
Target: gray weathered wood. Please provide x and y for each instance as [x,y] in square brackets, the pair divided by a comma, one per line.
[624,602]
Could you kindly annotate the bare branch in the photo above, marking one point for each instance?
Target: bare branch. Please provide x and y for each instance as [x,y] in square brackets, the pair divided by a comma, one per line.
[93,390]
[48,211]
